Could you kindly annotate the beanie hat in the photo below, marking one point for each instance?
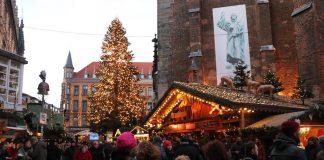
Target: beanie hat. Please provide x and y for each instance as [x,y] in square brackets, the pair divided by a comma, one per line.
[167,143]
[126,141]
[289,127]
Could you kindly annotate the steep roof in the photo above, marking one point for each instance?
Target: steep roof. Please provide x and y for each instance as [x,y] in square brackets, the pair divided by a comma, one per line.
[69,63]
[91,68]
[223,96]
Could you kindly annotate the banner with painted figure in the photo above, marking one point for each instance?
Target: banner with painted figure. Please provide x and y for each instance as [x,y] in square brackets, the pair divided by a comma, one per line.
[231,39]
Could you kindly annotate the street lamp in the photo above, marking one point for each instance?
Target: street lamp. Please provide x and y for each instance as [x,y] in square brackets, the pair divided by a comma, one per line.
[43,89]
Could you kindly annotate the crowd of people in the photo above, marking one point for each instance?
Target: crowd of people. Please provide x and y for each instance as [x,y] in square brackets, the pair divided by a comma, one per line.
[127,147]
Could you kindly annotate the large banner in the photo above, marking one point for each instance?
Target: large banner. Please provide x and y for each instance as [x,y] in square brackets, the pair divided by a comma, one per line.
[231,39]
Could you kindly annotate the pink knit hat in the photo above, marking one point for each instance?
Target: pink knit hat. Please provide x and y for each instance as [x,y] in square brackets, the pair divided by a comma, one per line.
[126,141]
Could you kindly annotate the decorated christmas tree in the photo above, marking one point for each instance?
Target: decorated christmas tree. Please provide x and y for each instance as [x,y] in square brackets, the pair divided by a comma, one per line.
[116,100]
[302,91]
[270,78]
[240,75]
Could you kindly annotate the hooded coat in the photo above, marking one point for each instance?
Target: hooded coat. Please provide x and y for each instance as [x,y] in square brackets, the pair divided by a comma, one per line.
[39,151]
[285,148]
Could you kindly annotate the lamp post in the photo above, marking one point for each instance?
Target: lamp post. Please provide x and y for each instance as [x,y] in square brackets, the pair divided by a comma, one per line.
[43,89]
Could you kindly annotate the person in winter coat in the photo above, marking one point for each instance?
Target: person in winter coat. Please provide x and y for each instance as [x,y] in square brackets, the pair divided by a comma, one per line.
[312,148]
[53,152]
[187,149]
[157,141]
[125,147]
[285,144]
[250,151]
[39,150]
[215,150]
[168,147]
[320,153]
[236,149]
[69,151]
[23,151]
[147,151]
[82,153]
[97,151]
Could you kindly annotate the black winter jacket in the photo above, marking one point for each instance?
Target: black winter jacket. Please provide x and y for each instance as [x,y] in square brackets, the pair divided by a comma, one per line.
[285,148]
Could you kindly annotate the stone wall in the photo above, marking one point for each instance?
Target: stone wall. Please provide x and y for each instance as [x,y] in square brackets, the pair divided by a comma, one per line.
[164,50]
[297,42]
[8,26]
[309,26]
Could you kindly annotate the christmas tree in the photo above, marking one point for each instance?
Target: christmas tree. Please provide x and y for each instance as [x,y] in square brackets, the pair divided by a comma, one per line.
[240,75]
[270,78]
[116,100]
[302,91]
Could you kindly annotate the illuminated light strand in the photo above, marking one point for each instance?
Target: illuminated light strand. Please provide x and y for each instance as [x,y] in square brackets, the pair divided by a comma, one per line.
[117,90]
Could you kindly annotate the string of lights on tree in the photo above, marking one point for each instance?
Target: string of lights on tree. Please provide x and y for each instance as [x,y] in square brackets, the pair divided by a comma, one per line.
[271,78]
[117,94]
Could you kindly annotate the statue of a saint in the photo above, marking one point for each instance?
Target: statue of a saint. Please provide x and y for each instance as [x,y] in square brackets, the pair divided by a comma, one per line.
[235,39]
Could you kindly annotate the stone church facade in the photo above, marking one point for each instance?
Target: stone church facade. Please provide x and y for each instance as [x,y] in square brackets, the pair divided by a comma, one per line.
[12,60]
[284,36]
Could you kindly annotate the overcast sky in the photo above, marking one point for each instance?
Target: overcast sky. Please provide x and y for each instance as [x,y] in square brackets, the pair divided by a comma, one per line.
[53,27]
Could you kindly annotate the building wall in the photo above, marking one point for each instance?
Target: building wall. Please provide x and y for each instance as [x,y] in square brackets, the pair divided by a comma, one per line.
[8,26]
[11,70]
[309,29]
[164,36]
[269,23]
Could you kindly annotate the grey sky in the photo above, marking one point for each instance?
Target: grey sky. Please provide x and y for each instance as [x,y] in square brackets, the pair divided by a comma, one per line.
[88,21]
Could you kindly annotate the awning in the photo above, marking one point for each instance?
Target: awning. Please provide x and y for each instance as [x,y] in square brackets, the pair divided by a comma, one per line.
[277,120]
[84,133]
[16,128]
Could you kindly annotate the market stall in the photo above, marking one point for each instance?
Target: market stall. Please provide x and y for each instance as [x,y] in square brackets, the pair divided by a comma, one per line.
[311,122]
[192,107]
[140,133]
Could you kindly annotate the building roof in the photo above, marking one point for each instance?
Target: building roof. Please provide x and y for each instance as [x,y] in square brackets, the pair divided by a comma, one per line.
[223,96]
[13,56]
[145,67]
[276,120]
[69,63]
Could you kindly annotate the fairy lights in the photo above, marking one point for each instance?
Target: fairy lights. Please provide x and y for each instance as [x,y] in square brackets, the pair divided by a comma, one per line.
[117,95]
[193,89]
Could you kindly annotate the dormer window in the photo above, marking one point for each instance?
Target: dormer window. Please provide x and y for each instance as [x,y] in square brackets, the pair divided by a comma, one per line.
[94,75]
[142,76]
[85,74]
[150,76]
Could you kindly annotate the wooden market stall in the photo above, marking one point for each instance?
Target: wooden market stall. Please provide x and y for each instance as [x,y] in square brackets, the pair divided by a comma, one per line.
[192,107]
[140,133]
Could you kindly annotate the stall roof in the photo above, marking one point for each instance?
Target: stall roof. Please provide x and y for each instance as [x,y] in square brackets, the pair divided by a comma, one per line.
[276,120]
[227,97]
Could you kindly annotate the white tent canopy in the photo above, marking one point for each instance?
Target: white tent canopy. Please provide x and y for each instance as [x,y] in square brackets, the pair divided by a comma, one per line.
[84,133]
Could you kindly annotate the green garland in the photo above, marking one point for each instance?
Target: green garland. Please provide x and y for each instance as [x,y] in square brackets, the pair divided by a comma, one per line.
[316,111]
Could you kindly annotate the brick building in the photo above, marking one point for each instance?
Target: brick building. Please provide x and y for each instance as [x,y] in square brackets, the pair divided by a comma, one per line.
[284,36]
[12,58]
[76,86]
